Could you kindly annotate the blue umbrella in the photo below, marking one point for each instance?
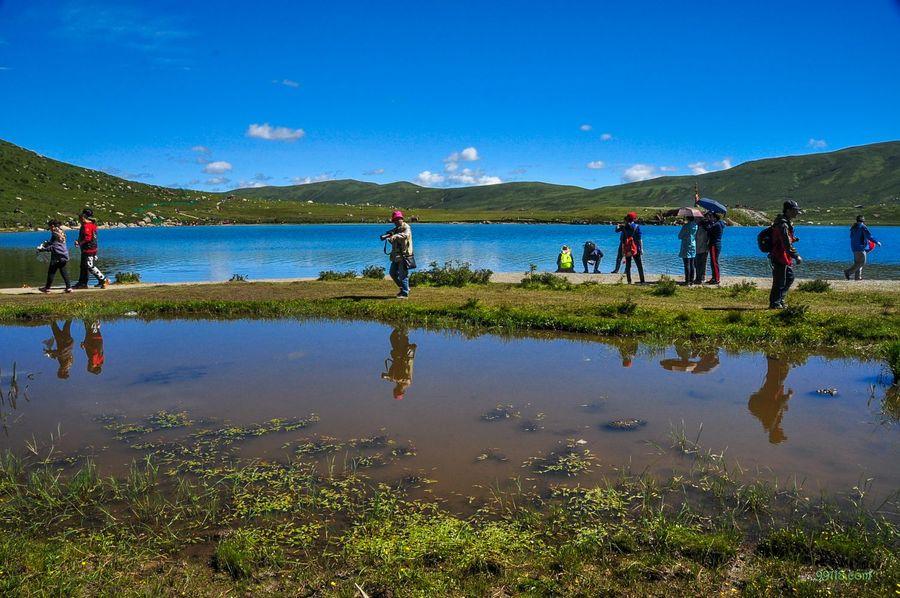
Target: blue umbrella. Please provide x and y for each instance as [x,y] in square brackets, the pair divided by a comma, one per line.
[712,205]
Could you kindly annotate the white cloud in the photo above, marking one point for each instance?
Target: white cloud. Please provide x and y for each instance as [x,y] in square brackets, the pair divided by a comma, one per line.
[374,171]
[816,143]
[200,149]
[261,177]
[217,180]
[270,133]
[585,127]
[250,184]
[698,168]
[467,176]
[306,180]
[725,164]
[470,154]
[668,168]
[217,167]
[639,172]
[287,83]
[596,164]
[451,166]
[606,137]
[426,178]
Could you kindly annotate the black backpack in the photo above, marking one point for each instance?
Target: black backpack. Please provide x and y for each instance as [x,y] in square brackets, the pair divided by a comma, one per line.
[764,240]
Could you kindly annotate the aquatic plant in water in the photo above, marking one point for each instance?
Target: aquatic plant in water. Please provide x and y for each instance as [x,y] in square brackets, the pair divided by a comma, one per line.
[625,425]
[569,461]
[499,412]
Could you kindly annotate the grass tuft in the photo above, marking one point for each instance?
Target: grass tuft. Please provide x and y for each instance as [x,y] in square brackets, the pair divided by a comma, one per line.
[128,278]
[814,286]
[666,287]
[332,275]
[373,272]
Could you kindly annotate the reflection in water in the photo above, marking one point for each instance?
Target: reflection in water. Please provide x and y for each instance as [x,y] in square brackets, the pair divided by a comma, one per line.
[690,361]
[62,352]
[399,365]
[93,346]
[769,403]
[627,348]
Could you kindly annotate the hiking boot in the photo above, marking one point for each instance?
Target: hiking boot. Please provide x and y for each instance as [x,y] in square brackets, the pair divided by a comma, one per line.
[80,285]
[102,284]
[402,296]
[846,275]
[44,289]
[68,290]
[711,282]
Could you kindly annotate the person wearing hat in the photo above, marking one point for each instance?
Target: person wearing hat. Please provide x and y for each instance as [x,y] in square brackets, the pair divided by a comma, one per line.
[87,242]
[400,364]
[783,254]
[632,246]
[861,242]
[401,255]
[564,261]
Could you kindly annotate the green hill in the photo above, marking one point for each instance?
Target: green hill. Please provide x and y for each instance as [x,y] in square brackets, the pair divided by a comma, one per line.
[34,188]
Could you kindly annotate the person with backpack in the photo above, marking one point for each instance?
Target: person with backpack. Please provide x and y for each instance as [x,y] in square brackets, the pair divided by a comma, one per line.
[778,240]
[688,251]
[632,246]
[702,242]
[401,255]
[87,242]
[861,243]
[714,232]
[564,261]
[591,254]
[59,256]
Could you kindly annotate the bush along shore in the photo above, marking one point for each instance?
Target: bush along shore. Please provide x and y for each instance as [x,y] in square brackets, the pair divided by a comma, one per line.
[192,518]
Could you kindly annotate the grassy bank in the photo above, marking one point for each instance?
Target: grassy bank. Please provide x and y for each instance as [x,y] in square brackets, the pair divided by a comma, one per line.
[191,519]
[846,322]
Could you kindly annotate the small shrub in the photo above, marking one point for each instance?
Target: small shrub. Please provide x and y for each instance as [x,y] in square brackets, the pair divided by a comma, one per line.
[666,287]
[793,313]
[734,317]
[375,272]
[739,289]
[127,278]
[238,278]
[243,551]
[626,308]
[451,274]
[332,275]
[814,286]
[546,281]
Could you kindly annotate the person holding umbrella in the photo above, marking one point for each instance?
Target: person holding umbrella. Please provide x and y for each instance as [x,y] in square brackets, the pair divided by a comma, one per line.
[715,229]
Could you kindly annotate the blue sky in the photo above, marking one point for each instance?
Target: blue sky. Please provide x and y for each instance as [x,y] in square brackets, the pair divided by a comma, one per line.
[213,95]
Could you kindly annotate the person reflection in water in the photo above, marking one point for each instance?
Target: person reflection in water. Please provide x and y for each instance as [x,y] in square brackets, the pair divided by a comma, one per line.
[769,403]
[62,353]
[690,361]
[93,346]
[399,365]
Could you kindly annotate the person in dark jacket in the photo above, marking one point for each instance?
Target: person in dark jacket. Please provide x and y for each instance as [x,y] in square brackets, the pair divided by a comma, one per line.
[619,255]
[632,246]
[59,256]
[591,254]
[702,250]
[769,403]
[714,232]
[87,242]
[783,254]
[861,242]
[62,338]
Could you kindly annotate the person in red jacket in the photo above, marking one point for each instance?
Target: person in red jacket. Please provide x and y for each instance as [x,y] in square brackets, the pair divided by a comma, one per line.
[783,254]
[93,346]
[87,242]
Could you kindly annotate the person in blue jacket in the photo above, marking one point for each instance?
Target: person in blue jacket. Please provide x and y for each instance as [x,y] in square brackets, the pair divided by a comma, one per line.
[714,231]
[861,242]
[688,251]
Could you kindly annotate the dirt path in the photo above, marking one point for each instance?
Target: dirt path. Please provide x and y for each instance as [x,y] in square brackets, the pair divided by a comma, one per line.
[514,277]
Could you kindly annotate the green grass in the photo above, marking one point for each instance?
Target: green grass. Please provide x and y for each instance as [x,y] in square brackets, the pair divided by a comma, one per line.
[814,286]
[666,287]
[127,278]
[332,275]
[373,272]
[451,274]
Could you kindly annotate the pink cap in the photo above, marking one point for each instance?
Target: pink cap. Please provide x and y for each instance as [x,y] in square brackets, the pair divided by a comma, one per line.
[396,215]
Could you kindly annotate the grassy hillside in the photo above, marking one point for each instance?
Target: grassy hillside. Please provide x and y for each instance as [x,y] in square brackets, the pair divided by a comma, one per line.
[34,188]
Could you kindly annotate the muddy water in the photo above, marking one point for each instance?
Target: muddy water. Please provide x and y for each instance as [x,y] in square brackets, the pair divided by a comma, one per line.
[436,392]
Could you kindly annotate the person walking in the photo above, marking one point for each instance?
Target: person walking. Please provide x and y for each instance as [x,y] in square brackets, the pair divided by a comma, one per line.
[688,251]
[632,246]
[591,254]
[62,338]
[93,346]
[87,242]
[783,255]
[401,255]
[59,256]
[714,241]
[861,242]
[564,261]
[702,242]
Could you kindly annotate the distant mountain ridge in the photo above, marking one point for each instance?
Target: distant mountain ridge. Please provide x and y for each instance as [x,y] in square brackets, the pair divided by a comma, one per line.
[34,188]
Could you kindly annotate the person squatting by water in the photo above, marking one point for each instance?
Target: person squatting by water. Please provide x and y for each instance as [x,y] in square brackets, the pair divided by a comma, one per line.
[87,242]
[59,256]
[62,353]
[715,229]
[861,243]
[564,261]
[783,255]
[632,246]
[93,346]
[399,365]
[688,251]
[591,254]
[401,255]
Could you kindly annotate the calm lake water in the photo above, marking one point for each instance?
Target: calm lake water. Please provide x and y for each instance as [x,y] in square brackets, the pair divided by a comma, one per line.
[212,253]
[433,394]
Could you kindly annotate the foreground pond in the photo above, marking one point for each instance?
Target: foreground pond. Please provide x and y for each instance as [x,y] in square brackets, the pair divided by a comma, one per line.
[454,415]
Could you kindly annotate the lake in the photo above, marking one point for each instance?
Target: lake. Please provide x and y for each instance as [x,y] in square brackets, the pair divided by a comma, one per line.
[215,253]
[465,412]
